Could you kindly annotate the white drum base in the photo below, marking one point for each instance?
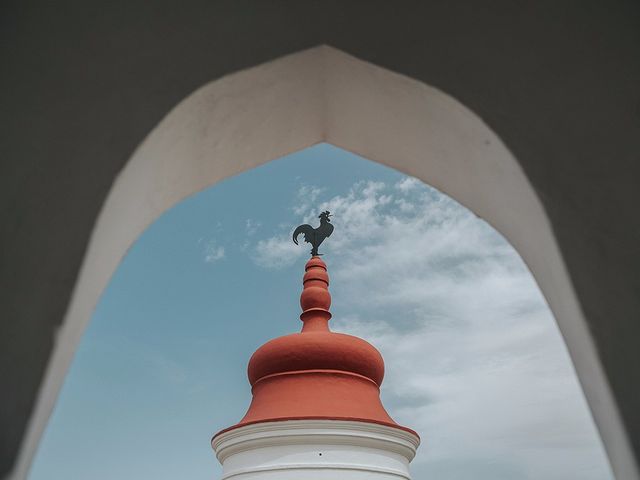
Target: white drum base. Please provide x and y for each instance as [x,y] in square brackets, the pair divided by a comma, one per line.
[315,450]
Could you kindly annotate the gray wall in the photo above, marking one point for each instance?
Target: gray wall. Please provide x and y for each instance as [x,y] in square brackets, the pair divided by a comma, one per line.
[82,83]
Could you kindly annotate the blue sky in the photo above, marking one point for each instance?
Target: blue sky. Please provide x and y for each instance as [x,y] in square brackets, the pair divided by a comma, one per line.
[474,360]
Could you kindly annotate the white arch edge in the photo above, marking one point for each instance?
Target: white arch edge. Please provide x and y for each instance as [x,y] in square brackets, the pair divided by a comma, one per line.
[320,95]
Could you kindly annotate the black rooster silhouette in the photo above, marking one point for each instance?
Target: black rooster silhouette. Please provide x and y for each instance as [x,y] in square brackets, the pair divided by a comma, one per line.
[315,236]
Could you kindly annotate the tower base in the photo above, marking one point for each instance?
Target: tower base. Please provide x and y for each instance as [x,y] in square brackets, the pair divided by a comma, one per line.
[315,450]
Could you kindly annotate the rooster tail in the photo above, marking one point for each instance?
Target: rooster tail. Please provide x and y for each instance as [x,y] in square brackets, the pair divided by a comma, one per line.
[306,230]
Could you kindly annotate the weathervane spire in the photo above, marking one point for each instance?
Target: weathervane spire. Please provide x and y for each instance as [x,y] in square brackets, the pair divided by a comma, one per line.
[315,236]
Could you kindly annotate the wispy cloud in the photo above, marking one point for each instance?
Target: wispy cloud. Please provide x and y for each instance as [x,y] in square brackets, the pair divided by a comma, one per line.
[276,252]
[252,226]
[213,252]
[474,359]
[306,197]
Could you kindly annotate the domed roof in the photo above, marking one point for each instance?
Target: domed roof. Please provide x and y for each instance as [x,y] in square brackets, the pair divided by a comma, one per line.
[316,374]
[317,351]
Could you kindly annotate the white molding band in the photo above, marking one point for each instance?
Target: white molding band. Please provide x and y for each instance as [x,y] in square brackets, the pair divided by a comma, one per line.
[332,467]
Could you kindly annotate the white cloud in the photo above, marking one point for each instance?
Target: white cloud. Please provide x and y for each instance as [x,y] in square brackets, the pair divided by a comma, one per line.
[404,206]
[276,252]
[306,197]
[407,184]
[213,252]
[475,361]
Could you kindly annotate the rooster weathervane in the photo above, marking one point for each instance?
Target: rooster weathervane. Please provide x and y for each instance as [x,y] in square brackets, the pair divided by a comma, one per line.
[315,236]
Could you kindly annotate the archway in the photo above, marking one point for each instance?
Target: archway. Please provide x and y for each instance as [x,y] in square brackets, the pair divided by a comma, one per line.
[321,95]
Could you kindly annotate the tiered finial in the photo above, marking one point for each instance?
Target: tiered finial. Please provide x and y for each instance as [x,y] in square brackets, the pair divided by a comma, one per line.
[315,299]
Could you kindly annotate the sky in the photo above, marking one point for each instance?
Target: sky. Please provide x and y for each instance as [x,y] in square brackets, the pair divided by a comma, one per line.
[474,359]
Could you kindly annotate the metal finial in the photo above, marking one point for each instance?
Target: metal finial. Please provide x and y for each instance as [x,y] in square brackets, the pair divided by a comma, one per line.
[315,236]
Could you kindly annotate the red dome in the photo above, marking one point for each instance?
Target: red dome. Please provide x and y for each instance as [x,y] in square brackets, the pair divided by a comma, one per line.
[317,351]
[316,374]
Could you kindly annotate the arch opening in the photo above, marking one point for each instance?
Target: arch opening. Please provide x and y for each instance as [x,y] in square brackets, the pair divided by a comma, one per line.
[474,361]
